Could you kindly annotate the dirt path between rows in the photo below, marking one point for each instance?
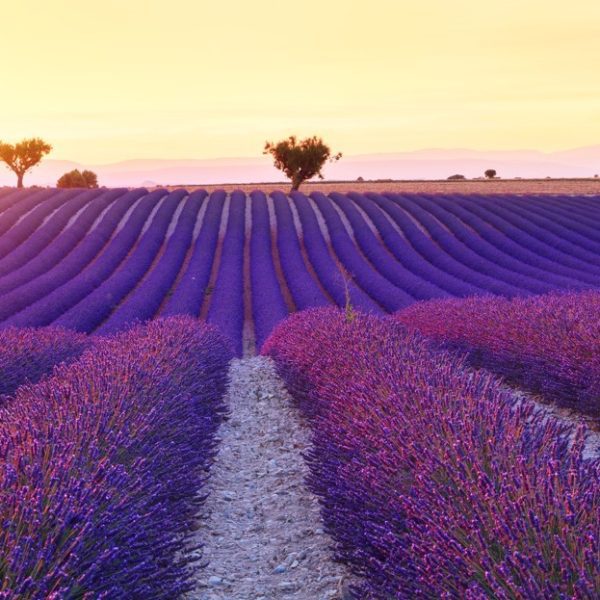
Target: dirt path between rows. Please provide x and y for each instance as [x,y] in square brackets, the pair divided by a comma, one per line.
[262,530]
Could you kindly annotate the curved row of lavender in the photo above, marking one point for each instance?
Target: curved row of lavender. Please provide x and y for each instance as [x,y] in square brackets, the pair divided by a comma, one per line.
[27,355]
[100,261]
[101,465]
[546,344]
[434,481]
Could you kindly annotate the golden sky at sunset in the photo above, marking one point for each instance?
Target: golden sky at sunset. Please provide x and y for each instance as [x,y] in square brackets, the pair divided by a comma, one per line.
[109,80]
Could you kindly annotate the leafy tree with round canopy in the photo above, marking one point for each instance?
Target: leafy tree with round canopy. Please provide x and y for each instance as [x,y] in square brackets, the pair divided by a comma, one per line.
[78,179]
[490,173]
[23,156]
[300,160]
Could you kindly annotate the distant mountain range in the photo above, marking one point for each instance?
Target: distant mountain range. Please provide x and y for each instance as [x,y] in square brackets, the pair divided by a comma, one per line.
[420,164]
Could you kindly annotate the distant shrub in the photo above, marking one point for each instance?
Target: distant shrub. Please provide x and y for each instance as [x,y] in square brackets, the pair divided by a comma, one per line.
[78,179]
[490,173]
[457,176]
[362,178]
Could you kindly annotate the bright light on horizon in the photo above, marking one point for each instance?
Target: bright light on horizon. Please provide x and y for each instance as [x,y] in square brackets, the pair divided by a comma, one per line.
[111,80]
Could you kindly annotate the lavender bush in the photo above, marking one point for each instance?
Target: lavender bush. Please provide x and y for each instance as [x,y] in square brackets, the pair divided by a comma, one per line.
[434,481]
[547,344]
[101,466]
[26,355]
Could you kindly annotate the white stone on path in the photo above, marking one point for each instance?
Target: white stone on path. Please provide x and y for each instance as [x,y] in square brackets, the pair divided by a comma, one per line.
[261,526]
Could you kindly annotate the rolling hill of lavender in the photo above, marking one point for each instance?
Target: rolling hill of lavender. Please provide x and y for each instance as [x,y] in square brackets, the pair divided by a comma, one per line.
[442,350]
[99,261]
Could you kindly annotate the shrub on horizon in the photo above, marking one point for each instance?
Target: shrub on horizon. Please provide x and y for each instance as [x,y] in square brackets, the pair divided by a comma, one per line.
[78,179]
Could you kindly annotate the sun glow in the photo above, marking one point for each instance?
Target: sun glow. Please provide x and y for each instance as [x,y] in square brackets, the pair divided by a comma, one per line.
[113,80]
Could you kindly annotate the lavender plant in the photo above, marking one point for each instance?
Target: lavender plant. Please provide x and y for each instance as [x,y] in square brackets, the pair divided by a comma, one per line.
[434,480]
[102,466]
[549,344]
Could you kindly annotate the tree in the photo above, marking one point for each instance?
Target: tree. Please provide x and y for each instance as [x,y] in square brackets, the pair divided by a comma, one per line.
[23,156]
[300,160]
[490,173]
[457,176]
[78,179]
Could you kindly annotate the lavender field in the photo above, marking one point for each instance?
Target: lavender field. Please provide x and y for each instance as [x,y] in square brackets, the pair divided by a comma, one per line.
[421,338]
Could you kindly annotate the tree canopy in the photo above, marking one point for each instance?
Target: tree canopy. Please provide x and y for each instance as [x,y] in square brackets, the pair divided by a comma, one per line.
[24,155]
[300,160]
[490,173]
[78,179]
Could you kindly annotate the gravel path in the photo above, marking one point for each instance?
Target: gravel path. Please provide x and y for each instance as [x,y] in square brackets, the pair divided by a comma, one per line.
[261,528]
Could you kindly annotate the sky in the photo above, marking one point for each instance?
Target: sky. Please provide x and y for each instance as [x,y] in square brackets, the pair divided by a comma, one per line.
[111,80]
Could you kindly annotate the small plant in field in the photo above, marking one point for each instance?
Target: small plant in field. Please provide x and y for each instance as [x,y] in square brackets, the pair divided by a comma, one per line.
[21,157]
[349,310]
[300,160]
[490,173]
[209,290]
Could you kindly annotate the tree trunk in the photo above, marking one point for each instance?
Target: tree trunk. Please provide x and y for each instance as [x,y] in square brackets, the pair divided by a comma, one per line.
[295,185]
[20,180]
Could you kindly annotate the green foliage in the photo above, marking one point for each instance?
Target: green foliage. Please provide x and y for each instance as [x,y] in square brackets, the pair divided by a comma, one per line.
[300,160]
[21,157]
[490,173]
[78,179]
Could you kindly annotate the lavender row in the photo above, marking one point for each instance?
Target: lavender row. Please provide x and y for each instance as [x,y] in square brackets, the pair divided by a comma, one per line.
[571,243]
[57,248]
[98,304]
[27,201]
[102,466]
[565,228]
[387,295]
[227,299]
[563,264]
[443,231]
[9,197]
[188,296]
[534,280]
[82,250]
[16,254]
[549,344]
[144,302]
[434,481]
[26,355]
[427,246]
[381,259]
[305,290]
[508,252]
[30,222]
[337,281]
[268,304]
[409,256]
[552,246]
[82,282]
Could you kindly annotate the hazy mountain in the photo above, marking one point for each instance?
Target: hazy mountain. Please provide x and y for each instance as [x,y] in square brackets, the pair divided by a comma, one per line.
[420,164]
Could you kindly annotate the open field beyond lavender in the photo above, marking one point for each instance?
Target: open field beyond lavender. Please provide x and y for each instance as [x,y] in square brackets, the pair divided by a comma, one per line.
[428,443]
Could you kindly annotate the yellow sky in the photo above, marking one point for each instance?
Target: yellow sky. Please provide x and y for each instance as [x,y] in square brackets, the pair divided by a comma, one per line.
[108,80]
